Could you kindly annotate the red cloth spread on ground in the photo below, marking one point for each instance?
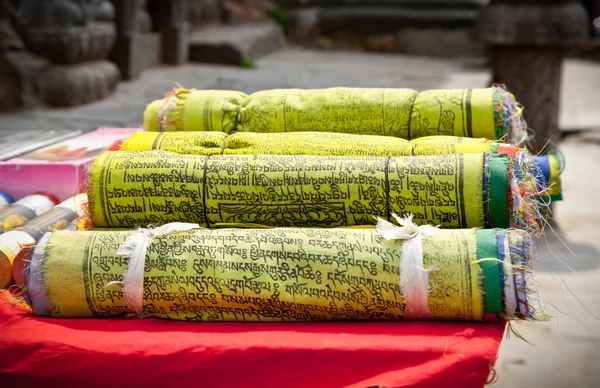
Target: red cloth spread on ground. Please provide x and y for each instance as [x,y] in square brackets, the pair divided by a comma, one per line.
[152,353]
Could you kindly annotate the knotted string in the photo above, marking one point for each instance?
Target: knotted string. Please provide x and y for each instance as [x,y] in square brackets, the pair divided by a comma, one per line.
[237,116]
[134,248]
[414,279]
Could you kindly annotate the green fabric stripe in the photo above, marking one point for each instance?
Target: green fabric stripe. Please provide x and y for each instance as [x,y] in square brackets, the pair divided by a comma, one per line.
[494,147]
[557,197]
[499,190]
[487,248]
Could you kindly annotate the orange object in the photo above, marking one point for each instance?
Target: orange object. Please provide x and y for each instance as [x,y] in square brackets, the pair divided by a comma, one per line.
[19,264]
[508,149]
[116,146]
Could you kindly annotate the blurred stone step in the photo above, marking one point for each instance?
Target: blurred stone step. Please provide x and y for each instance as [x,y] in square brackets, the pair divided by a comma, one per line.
[373,20]
[235,44]
[388,3]
[202,12]
[438,31]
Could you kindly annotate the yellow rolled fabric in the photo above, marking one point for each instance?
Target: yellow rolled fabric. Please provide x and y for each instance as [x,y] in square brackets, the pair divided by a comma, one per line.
[293,274]
[404,113]
[303,143]
[128,189]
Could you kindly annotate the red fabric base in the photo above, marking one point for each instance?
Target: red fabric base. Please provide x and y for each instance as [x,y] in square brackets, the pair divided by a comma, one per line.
[152,352]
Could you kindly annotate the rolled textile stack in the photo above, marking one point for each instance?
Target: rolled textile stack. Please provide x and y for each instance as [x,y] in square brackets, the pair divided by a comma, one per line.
[291,274]
[268,226]
[404,113]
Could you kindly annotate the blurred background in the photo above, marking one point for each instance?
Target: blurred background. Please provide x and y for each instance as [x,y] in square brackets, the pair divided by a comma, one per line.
[70,66]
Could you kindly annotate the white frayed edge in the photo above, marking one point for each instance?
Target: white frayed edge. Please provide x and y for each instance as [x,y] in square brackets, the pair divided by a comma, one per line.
[134,249]
[414,279]
[520,281]
[510,293]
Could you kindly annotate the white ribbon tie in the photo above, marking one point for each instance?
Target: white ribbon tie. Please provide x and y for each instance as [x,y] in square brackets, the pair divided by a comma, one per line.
[414,279]
[134,248]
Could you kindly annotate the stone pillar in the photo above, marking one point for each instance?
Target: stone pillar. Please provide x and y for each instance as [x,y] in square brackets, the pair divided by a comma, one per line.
[19,69]
[528,41]
[175,32]
[203,12]
[128,41]
[171,18]
[138,46]
[64,32]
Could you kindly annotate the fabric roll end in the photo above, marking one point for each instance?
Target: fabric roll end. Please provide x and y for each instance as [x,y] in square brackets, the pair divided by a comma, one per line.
[96,218]
[523,251]
[151,116]
[166,114]
[35,285]
[518,251]
[508,113]
[529,207]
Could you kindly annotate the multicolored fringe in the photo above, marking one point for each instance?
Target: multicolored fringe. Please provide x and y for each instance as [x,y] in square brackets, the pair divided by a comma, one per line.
[170,109]
[521,204]
[168,114]
[519,250]
[508,117]
[17,297]
[529,212]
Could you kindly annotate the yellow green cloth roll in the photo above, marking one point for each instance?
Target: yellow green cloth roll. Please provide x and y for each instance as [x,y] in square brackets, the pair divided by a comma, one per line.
[288,274]
[547,173]
[130,189]
[304,143]
[404,113]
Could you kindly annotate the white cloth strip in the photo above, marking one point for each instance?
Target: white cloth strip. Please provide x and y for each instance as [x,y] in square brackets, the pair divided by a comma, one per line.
[414,278]
[510,294]
[134,248]
[520,282]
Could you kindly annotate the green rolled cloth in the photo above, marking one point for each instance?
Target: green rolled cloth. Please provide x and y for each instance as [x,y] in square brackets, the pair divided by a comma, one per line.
[405,113]
[128,189]
[293,274]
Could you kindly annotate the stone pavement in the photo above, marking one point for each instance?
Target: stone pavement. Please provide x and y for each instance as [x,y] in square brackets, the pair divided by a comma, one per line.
[285,69]
[564,351]
[296,67]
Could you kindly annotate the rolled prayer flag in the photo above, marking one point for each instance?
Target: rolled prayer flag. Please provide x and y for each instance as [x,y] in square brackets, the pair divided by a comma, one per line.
[549,175]
[336,144]
[288,274]
[306,143]
[15,243]
[129,189]
[25,209]
[5,200]
[403,113]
